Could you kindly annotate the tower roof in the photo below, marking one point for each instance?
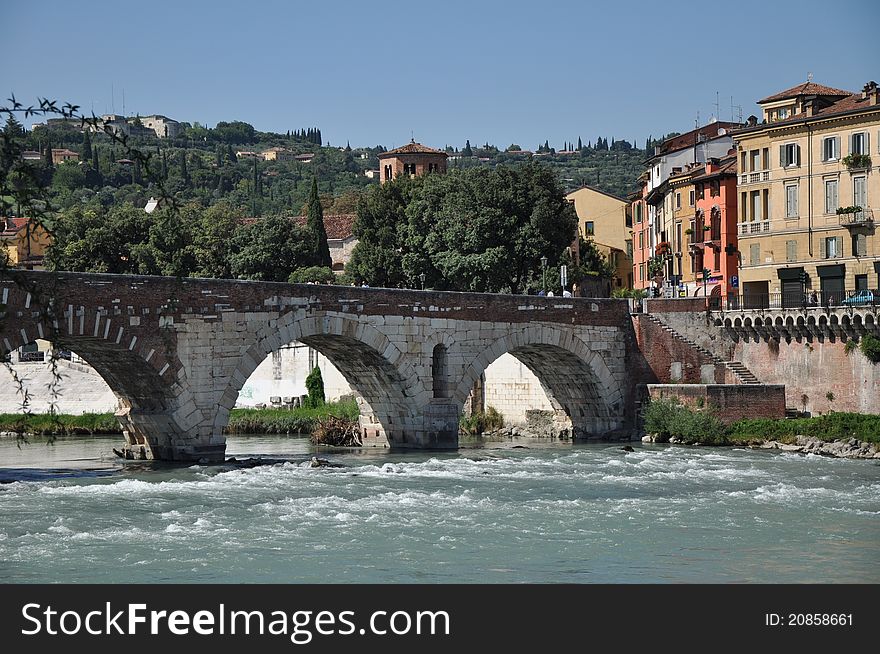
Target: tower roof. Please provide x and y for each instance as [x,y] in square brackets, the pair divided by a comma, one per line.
[411,148]
[807,88]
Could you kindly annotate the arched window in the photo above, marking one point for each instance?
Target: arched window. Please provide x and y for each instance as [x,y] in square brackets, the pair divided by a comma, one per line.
[439,372]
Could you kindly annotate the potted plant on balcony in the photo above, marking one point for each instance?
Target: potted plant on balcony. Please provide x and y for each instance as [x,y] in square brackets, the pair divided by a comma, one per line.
[856,161]
[688,231]
[852,209]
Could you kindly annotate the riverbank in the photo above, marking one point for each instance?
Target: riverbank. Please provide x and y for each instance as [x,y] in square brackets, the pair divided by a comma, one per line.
[301,420]
[839,434]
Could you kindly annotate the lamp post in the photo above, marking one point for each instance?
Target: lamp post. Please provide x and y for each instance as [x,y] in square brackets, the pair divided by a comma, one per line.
[422,278]
[544,273]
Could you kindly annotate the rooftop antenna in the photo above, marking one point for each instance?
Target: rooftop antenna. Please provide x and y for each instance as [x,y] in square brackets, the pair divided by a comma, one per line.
[738,116]
[717,108]
[112,99]
[123,102]
[412,136]
[697,120]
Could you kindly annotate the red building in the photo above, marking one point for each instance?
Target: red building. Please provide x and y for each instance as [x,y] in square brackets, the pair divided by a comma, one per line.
[411,159]
[716,252]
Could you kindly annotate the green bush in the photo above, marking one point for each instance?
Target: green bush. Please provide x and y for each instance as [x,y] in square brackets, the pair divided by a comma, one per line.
[481,422]
[870,347]
[830,427]
[320,274]
[849,347]
[670,419]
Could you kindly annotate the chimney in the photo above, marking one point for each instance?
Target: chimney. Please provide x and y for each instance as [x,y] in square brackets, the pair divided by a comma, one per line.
[869,92]
[752,121]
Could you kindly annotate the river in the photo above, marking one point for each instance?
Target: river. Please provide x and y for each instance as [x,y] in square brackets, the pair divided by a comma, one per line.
[542,512]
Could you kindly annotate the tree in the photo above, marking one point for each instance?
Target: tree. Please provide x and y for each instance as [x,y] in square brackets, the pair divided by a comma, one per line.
[315,388]
[320,274]
[476,229]
[13,129]
[580,145]
[212,238]
[184,173]
[269,249]
[86,153]
[467,151]
[317,231]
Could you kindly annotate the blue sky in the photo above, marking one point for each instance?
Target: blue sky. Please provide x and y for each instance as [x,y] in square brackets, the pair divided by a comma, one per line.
[374,72]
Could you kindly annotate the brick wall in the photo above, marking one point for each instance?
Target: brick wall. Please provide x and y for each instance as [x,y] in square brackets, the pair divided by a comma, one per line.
[672,360]
[729,402]
[815,369]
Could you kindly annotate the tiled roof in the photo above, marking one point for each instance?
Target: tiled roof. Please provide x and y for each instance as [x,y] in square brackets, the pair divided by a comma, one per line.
[12,226]
[726,167]
[854,102]
[338,226]
[807,88]
[689,139]
[411,148]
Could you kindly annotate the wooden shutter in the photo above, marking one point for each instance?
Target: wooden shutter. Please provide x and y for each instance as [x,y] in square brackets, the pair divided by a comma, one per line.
[839,251]
[860,245]
[822,248]
[797,155]
[782,162]
[867,142]
[755,253]
[791,250]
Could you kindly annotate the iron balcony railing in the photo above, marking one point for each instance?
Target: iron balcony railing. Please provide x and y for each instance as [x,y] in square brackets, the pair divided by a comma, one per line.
[803,300]
[859,218]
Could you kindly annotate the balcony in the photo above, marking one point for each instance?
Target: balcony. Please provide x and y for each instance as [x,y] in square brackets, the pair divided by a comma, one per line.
[755,177]
[756,227]
[855,217]
[857,162]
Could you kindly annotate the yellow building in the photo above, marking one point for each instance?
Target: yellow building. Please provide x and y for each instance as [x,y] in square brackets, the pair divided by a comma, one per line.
[605,219]
[809,194]
[23,243]
[682,199]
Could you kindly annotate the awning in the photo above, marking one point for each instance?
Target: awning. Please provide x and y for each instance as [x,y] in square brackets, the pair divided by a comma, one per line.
[831,271]
[790,274]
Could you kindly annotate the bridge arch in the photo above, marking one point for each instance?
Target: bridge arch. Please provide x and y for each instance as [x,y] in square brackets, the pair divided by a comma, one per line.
[575,378]
[389,387]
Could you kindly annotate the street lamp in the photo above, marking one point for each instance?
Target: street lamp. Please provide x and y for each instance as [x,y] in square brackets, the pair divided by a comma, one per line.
[544,273]
[422,277]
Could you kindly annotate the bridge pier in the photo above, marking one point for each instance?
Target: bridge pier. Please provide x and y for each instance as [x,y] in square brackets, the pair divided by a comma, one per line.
[157,436]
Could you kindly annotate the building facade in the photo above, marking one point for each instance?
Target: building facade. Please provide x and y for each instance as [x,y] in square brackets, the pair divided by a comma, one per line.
[411,159]
[605,219]
[809,195]
[23,243]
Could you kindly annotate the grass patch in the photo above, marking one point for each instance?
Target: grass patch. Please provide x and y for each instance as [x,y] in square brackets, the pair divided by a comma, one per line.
[44,424]
[830,427]
[670,419]
[478,423]
[301,420]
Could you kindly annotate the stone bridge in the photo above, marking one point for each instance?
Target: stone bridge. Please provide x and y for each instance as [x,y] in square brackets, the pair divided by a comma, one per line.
[177,351]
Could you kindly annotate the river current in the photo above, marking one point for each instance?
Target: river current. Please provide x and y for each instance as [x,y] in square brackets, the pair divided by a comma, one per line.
[512,512]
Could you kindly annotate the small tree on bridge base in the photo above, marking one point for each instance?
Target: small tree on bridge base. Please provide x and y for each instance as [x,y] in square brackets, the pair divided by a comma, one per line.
[315,387]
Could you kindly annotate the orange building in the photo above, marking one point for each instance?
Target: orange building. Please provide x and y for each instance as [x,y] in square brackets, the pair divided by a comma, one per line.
[411,159]
[715,240]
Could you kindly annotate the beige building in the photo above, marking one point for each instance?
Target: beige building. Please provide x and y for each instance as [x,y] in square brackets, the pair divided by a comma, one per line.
[809,195]
[605,219]
[277,154]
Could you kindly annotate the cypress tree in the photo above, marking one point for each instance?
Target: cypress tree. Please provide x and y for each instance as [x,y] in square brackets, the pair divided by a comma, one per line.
[164,166]
[315,225]
[184,173]
[580,145]
[136,174]
[219,159]
[467,151]
[47,155]
[95,159]
[230,154]
[86,146]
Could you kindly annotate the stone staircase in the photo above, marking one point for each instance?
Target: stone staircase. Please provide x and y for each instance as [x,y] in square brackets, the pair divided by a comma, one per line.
[743,374]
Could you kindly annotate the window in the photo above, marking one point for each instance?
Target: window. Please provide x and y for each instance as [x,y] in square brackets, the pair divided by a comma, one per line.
[432,168]
[641,240]
[858,143]
[830,148]
[639,212]
[859,245]
[678,200]
[641,272]
[860,191]
[589,228]
[756,205]
[756,160]
[831,203]
[783,113]
[409,169]
[831,247]
[691,198]
[791,201]
[789,155]
[678,237]
[791,250]
[755,254]
[389,174]
[691,238]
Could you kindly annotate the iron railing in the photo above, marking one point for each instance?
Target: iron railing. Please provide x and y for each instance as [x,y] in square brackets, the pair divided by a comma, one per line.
[802,300]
